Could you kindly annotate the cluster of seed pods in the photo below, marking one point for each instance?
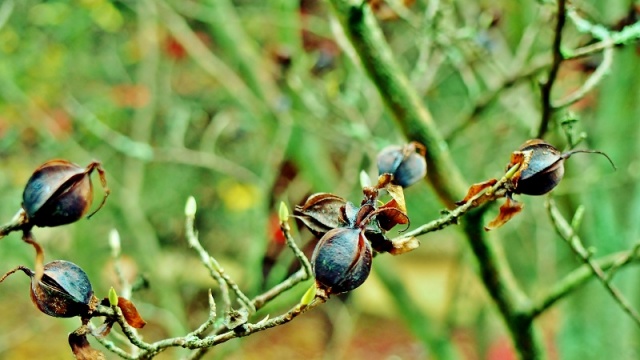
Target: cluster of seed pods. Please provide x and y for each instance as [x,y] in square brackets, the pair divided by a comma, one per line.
[349,234]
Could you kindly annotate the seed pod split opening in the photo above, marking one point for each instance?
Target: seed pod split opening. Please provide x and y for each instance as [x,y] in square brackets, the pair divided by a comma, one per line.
[60,192]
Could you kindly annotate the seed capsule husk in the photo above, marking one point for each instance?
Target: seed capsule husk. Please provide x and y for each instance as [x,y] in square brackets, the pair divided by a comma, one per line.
[63,291]
[545,167]
[406,163]
[60,192]
[342,260]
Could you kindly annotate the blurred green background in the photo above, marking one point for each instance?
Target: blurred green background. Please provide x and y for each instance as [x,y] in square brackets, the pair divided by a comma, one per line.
[243,104]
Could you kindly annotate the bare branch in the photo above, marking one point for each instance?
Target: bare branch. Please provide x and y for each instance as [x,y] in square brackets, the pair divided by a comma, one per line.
[568,234]
[557,58]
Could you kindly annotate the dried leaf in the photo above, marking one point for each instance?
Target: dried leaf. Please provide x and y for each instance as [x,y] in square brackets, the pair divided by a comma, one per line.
[104,329]
[397,194]
[81,348]
[475,189]
[508,210]
[130,313]
[364,213]
[404,245]
[519,157]
[388,217]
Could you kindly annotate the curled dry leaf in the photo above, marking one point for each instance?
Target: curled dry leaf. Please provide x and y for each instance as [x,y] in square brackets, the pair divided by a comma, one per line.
[80,346]
[130,313]
[508,210]
[404,245]
[476,189]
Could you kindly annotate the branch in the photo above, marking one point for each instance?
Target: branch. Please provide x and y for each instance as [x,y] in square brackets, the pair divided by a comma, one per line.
[417,124]
[580,276]
[451,217]
[568,234]
[557,58]
[18,223]
[401,99]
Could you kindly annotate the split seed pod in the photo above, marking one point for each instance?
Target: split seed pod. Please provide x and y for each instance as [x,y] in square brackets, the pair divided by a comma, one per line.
[60,192]
[63,291]
[341,260]
[545,167]
[406,163]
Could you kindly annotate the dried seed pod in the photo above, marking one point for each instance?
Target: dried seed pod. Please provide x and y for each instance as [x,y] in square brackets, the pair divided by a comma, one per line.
[406,163]
[60,192]
[63,291]
[341,260]
[544,167]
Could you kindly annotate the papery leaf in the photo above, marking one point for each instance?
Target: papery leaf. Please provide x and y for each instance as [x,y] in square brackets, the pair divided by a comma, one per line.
[508,210]
[404,245]
[519,157]
[104,329]
[321,212]
[81,348]
[388,217]
[130,313]
[397,194]
[475,189]
[384,180]
[364,213]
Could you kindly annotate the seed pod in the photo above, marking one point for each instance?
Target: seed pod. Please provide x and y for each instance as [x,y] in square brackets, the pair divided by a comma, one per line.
[545,167]
[60,192]
[341,260]
[63,291]
[406,163]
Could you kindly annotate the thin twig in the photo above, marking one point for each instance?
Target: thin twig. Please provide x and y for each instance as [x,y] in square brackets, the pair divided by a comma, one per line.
[593,80]
[452,217]
[557,58]
[286,231]
[210,320]
[580,277]
[568,234]
[192,238]
[19,222]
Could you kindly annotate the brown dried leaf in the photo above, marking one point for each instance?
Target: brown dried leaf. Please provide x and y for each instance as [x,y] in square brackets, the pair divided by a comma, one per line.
[397,194]
[104,329]
[519,157]
[475,189]
[388,217]
[508,210]
[81,348]
[130,313]
[404,245]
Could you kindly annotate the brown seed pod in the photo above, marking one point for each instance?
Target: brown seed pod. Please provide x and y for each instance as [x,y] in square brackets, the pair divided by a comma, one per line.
[545,167]
[63,291]
[341,260]
[60,192]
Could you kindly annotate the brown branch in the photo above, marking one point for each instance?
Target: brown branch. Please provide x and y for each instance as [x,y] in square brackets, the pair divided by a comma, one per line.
[557,58]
